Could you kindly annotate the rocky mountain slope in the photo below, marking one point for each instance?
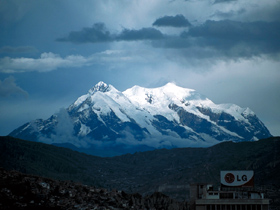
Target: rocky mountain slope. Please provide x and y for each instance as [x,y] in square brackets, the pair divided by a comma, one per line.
[108,122]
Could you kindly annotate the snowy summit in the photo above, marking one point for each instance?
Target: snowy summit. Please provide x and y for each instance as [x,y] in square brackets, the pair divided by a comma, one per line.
[167,116]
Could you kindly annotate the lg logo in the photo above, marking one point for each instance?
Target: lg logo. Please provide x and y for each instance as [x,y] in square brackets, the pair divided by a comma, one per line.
[230,178]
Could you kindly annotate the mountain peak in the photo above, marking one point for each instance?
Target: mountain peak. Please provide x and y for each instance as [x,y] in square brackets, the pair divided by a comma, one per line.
[164,95]
[162,117]
[173,89]
[171,85]
[101,87]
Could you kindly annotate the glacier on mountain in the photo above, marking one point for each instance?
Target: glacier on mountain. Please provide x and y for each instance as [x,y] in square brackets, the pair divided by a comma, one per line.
[144,118]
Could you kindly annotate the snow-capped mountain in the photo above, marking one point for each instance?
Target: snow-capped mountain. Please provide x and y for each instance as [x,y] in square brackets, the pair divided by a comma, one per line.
[141,118]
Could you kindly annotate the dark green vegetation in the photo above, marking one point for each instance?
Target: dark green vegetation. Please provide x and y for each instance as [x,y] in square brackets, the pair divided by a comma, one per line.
[168,171]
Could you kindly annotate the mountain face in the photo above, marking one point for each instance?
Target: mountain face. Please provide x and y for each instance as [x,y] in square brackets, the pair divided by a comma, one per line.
[141,119]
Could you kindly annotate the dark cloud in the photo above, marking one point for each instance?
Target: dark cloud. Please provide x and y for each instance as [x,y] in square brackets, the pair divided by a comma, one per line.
[142,34]
[20,49]
[97,33]
[172,21]
[223,1]
[235,30]
[8,87]
[225,38]
[237,38]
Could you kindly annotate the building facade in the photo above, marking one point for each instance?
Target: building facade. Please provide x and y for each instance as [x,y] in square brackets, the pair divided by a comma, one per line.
[235,193]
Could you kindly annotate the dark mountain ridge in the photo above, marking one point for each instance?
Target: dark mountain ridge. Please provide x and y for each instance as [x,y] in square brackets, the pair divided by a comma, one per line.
[166,170]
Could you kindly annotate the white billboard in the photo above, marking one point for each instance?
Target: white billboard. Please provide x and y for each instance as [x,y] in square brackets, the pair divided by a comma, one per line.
[237,178]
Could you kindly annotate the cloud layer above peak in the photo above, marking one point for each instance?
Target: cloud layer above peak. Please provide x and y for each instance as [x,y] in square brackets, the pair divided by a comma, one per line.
[228,37]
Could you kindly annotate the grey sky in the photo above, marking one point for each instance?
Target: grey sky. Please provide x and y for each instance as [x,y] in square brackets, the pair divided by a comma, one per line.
[51,53]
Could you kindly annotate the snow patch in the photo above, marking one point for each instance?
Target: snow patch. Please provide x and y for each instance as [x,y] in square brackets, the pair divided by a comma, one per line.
[84,130]
[80,100]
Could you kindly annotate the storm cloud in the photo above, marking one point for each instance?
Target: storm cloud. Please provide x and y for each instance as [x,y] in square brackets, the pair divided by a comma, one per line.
[98,33]
[172,21]
[238,39]
[234,30]
[227,37]
[223,1]
[142,34]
